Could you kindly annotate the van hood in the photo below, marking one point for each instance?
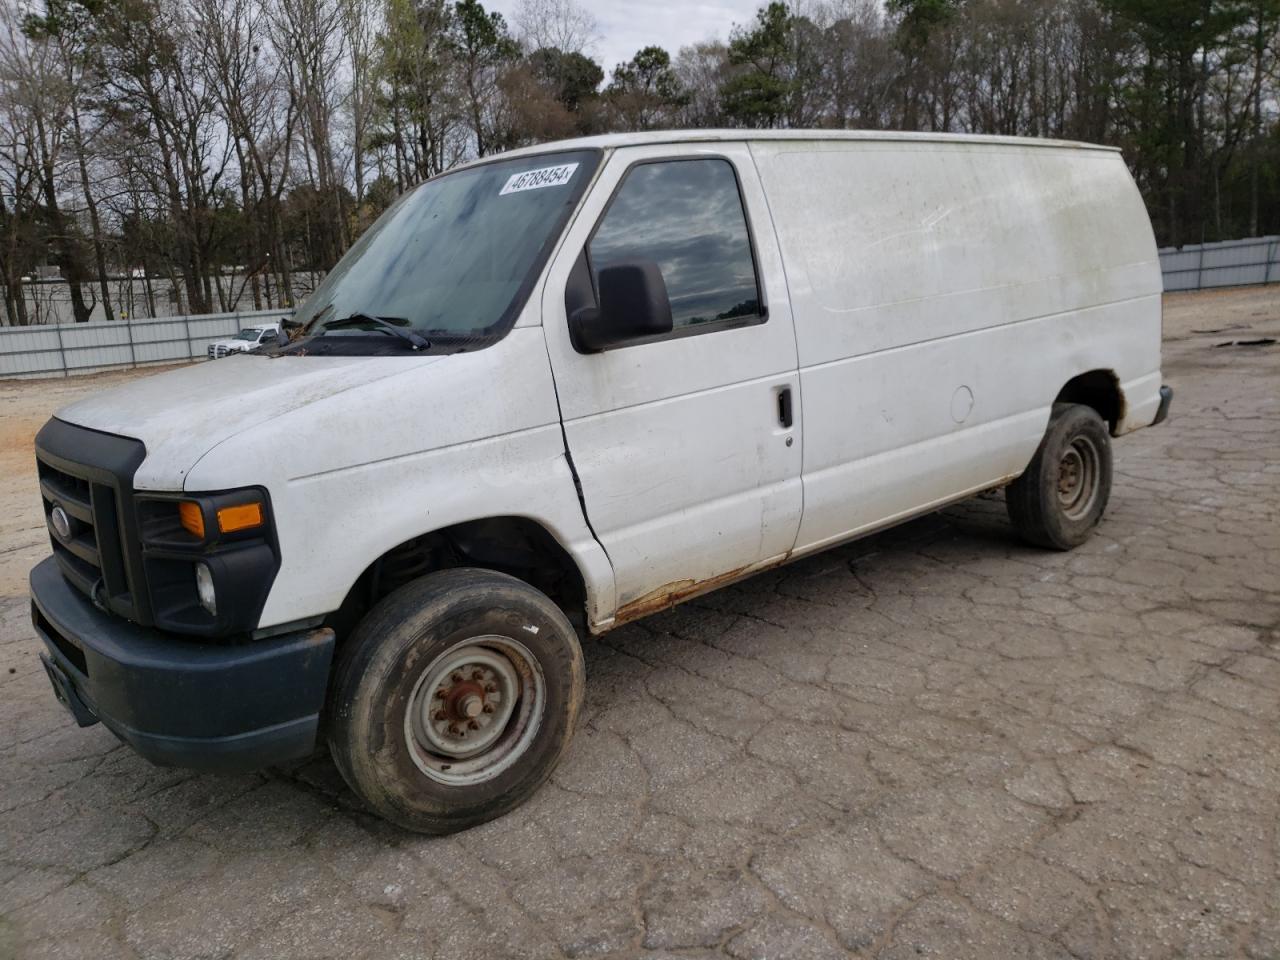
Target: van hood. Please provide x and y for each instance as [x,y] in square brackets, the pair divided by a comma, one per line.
[183,414]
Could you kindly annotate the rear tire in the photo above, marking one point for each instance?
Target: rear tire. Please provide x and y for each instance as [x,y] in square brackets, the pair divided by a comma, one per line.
[1059,501]
[454,699]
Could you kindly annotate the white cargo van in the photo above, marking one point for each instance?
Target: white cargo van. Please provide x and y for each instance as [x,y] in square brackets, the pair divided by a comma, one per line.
[562,388]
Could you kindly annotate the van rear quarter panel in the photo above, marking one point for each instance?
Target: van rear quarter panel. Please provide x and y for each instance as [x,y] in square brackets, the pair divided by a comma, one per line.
[943,294]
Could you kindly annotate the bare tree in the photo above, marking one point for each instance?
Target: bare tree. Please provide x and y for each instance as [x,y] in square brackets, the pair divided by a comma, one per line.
[18,176]
[483,51]
[700,71]
[309,40]
[205,152]
[248,82]
[858,63]
[71,34]
[555,25]
[1261,30]
[360,21]
[169,133]
[418,107]
[42,92]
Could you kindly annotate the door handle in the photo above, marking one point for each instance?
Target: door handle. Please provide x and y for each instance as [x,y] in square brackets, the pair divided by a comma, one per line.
[784,407]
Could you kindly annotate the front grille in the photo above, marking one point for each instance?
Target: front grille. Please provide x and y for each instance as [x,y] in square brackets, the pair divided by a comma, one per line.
[90,556]
[86,479]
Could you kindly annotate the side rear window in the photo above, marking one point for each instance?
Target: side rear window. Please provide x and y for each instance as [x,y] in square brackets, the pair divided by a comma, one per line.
[687,217]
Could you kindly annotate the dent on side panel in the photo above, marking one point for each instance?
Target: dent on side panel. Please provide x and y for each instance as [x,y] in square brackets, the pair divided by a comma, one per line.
[478,435]
[523,475]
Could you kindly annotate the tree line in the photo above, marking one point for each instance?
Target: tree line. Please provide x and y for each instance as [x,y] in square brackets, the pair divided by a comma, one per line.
[236,148]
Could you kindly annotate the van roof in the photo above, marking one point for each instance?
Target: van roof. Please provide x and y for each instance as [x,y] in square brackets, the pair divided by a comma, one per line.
[615,140]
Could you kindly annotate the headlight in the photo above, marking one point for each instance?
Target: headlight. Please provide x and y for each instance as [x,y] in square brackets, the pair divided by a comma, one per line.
[204,589]
[209,559]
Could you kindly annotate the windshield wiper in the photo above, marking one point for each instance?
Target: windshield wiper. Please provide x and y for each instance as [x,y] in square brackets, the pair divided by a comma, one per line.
[409,336]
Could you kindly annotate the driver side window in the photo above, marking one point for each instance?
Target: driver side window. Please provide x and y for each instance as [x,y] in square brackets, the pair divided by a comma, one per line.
[687,217]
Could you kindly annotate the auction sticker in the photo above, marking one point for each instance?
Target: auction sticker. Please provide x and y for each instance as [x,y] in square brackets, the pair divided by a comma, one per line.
[537,179]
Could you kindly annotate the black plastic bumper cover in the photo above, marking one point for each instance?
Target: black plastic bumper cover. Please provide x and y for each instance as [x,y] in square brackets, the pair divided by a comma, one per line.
[1166,398]
[182,702]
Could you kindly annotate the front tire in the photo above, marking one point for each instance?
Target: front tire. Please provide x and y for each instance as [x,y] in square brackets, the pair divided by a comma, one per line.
[454,699]
[1059,501]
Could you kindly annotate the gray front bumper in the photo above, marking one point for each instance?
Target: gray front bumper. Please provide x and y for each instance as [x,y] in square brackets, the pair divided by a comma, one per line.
[179,701]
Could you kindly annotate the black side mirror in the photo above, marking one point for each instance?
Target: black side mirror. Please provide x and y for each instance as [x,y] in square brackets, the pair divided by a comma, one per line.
[633,305]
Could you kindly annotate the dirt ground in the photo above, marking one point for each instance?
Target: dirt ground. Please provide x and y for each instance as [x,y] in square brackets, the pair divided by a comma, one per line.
[25,405]
[933,742]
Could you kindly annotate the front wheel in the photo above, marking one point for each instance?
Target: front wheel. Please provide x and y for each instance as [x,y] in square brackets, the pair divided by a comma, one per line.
[1059,501]
[454,699]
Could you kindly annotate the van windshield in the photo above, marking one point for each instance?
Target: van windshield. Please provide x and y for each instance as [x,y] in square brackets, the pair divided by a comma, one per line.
[454,259]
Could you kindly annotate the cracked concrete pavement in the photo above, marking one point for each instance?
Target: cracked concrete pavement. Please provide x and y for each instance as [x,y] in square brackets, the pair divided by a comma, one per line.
[933,742]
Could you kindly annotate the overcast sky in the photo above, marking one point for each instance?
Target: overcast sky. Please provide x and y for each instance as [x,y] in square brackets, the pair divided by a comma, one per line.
[628,25]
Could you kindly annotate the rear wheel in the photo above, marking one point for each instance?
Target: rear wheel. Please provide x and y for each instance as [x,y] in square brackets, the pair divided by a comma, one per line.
[454,699]
[1059,500]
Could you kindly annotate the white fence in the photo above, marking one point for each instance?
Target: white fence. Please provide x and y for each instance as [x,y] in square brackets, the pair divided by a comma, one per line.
[66,349]
[1232,263]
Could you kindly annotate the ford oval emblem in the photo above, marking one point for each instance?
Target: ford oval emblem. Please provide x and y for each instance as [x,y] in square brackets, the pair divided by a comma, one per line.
[61,522]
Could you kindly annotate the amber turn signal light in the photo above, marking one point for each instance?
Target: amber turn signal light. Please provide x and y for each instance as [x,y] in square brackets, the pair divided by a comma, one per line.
[191,517]
[244,516]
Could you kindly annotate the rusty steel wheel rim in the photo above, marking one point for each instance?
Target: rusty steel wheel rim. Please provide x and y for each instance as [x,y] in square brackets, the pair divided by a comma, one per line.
[1079,475]
[475,710]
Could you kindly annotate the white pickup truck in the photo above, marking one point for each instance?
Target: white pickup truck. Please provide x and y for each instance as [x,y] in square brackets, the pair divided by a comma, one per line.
[559,389]
[250,338]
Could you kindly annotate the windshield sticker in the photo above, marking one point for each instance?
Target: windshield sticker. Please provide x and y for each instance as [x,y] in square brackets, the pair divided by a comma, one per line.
[537,179]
